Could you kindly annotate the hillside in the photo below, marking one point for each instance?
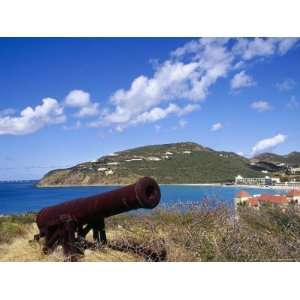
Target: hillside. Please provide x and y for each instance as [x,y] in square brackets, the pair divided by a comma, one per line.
[292,158]
[169,163]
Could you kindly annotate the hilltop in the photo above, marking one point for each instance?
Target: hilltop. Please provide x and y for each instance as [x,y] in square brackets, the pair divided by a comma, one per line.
[185,162]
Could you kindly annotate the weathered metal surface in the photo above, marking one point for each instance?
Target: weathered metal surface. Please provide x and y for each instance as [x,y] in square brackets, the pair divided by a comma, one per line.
[66,223]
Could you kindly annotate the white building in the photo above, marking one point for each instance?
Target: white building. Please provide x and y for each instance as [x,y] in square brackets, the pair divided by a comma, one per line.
[187,152]
[115,163]
[256,181]
[153,158]
[294,170]
[102,169]
[109,172]
[169,153]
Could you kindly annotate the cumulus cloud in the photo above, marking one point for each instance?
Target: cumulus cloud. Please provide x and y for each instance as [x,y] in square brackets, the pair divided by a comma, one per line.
[187,75]
[82,100]
[158,113]
[261,106]
[263,47]
[267,144]
[286,85]
[241,80]
[216,126]
[33,119]
[172,80]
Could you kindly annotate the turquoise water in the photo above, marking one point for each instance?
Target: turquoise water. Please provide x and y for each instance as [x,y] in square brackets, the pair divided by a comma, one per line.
[26,197]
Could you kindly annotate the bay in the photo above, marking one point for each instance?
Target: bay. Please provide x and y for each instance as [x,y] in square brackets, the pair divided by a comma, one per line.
[22,197]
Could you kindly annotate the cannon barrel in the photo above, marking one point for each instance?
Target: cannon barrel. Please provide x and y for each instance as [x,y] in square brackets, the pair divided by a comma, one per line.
[145,193]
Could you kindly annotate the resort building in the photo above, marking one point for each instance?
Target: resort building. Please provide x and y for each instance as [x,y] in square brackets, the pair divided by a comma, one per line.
[256,181]
[256,201]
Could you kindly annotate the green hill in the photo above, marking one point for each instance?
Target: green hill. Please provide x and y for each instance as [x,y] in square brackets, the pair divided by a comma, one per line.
[168,163]
[292,158]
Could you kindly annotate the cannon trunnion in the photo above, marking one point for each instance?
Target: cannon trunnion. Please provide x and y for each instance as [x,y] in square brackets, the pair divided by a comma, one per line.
[68,223]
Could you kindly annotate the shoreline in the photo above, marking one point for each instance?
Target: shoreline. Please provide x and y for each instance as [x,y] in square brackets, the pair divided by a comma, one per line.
[273,187]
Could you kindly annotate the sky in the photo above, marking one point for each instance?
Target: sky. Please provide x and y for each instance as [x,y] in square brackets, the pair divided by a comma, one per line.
[68,100]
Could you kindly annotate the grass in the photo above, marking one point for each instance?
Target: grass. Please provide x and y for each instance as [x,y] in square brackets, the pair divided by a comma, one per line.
[202,232]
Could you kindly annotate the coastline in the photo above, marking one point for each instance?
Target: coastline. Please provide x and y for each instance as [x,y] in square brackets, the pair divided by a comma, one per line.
[273,187]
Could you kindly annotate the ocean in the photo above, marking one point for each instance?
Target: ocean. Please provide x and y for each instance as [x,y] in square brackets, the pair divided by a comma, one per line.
[22,197]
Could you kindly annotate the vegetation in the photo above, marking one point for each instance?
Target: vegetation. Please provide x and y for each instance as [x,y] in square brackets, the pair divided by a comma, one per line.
[292,158]
[202,232]
[187,163]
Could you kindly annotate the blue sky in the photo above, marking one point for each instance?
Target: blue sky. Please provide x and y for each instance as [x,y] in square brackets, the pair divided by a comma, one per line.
[64,101]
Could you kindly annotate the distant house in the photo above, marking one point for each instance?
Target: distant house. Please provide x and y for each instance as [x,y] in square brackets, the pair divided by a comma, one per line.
[115,163]
[187,152]
[256,201]
[153,158]
[113,154]
[102,169]
[169,153]
[109,172]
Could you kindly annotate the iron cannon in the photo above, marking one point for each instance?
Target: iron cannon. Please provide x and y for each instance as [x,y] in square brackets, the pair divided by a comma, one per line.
[67,224]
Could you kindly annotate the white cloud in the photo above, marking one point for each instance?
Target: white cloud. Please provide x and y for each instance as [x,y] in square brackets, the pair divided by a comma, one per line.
[267,144]
[286,85]
[261,106]
[293,103]
[182,123]
[77,98]
[157,127]
[216,126]
[90,110]
[82,100]
[187,75]
[33,119]
[158,113]
[240,153]
[241,80]
[263,47]
[77,125]
[285,44]
[172,80]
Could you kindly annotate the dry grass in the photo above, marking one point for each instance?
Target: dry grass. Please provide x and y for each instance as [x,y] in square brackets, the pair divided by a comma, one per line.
[203,232]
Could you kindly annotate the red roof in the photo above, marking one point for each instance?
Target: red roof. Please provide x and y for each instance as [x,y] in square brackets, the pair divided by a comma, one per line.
[242,194]
[276,199]
[253,201]
[293,193]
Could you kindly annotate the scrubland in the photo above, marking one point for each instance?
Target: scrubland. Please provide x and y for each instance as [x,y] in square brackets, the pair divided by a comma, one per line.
[194,233]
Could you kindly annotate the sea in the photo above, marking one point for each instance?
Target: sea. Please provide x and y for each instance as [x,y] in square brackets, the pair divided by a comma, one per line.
[23,197]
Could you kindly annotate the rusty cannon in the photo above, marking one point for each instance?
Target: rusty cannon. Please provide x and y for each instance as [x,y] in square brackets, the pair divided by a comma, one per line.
[67,224]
